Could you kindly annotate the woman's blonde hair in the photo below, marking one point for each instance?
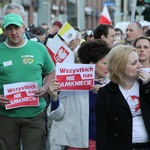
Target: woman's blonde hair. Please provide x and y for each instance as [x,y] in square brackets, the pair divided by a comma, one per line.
[117,60]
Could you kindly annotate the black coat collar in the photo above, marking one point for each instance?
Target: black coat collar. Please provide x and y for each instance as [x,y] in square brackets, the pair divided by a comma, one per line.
[118,98]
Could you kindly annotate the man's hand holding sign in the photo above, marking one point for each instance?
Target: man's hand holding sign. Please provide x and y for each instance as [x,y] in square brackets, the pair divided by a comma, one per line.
[20,95]
[4,100]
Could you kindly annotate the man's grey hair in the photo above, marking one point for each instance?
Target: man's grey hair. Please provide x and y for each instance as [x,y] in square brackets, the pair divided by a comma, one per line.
[13,6]
[139,26]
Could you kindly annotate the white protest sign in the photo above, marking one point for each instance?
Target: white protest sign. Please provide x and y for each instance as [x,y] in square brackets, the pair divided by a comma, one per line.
[75,76]
[21,94]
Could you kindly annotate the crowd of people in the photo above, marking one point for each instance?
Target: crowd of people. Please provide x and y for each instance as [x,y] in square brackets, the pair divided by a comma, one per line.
[112,115]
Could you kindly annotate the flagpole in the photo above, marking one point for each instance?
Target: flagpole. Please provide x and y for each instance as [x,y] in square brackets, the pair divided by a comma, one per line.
[133,10]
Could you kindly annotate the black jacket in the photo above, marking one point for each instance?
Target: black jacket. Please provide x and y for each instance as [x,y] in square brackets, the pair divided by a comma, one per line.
[29,35]
[114,118]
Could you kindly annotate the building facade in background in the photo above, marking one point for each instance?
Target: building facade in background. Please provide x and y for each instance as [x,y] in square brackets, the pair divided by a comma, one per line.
[83,14]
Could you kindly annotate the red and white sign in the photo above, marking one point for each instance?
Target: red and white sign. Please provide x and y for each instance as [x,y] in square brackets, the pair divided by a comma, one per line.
[21,94]
[75,76]
[60,52]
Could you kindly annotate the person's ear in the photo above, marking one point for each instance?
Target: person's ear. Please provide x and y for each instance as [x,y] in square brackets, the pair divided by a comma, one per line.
[24,27]
[78,40]
[103,37]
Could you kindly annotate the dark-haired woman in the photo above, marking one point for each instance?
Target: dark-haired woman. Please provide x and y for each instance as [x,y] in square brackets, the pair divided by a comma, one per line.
[73,112]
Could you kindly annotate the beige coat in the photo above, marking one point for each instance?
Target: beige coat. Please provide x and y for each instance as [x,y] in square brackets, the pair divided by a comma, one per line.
[70,121]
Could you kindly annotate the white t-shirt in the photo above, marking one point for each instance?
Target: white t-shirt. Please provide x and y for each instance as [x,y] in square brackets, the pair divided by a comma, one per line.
[139,133]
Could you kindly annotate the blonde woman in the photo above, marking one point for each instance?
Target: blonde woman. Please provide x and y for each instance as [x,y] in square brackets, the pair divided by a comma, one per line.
[123,105]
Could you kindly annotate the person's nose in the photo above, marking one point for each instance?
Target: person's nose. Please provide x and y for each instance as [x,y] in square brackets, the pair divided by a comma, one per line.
[141,49]
[13,31]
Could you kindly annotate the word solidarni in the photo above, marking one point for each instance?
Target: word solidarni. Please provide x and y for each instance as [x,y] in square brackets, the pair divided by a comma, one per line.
[78,70]
[19,89]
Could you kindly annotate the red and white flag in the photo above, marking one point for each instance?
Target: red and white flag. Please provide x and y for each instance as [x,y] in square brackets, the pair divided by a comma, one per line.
[105,17]
[59,51]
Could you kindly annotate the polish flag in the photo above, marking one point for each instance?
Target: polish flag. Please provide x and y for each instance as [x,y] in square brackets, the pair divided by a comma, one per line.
[105,18]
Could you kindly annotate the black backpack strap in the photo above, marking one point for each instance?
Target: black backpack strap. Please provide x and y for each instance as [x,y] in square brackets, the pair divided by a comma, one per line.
[2,37]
